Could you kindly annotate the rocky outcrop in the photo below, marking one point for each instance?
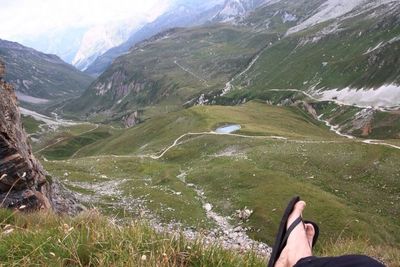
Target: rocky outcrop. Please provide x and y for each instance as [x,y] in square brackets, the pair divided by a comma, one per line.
[131,120]
[23,181]
[24,184]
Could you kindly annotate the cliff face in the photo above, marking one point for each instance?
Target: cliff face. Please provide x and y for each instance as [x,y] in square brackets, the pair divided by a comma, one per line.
[23,183]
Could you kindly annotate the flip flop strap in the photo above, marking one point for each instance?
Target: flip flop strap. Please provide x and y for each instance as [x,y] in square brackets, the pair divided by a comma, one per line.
[289,231]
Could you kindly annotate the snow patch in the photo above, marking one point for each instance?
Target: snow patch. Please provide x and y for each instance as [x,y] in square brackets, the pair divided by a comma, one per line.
[386,96]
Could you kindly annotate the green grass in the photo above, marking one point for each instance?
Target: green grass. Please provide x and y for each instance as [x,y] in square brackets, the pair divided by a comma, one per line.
[90,239]
[130,179]
[255,118]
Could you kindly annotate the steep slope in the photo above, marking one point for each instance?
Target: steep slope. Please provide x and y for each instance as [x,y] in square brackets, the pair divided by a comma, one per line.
[171,69]
[23,181]
[39,75]
[358,49]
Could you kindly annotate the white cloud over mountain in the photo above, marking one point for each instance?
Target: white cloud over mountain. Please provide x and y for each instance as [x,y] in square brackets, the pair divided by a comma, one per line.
[28,18]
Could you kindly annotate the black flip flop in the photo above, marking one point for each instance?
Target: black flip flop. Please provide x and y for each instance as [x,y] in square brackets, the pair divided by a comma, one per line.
[283,233]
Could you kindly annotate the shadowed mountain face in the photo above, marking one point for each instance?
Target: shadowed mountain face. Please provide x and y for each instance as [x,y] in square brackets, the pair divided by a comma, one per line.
[41,75]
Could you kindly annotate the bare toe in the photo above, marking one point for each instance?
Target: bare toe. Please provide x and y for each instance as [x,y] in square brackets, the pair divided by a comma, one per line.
[310,232]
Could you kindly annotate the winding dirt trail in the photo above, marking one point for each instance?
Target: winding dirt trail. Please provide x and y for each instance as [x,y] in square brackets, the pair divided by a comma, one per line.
[175,143]
[267,137]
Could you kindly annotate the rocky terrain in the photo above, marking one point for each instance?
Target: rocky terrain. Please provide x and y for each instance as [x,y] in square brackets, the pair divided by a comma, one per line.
[24,184]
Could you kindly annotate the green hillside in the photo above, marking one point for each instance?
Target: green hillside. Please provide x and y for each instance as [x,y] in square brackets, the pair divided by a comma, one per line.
[351,187]
[332,55]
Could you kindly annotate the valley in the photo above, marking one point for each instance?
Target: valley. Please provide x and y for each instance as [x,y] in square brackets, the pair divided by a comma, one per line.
[155,171]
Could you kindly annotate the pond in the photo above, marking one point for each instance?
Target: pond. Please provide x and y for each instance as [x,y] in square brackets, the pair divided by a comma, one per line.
[228,129]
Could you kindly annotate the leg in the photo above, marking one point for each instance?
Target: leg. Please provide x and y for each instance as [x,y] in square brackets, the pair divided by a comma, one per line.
[342,261]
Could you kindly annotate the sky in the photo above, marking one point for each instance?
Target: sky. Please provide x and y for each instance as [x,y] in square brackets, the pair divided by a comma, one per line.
[21,19]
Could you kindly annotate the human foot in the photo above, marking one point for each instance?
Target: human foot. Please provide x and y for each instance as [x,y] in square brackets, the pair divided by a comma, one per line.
[299,242]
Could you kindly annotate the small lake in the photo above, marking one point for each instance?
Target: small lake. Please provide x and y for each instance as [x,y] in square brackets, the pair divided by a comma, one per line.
[228,129]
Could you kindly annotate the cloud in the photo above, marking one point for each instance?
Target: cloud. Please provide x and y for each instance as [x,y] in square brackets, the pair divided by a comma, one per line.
[29,18]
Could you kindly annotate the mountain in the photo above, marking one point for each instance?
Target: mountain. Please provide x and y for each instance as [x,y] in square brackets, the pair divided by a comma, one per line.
[343,54]
[182,14]
[40,77]
[80,46]
[165,69]
[329,50]
[337,47]
[170,69]
[99,39]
